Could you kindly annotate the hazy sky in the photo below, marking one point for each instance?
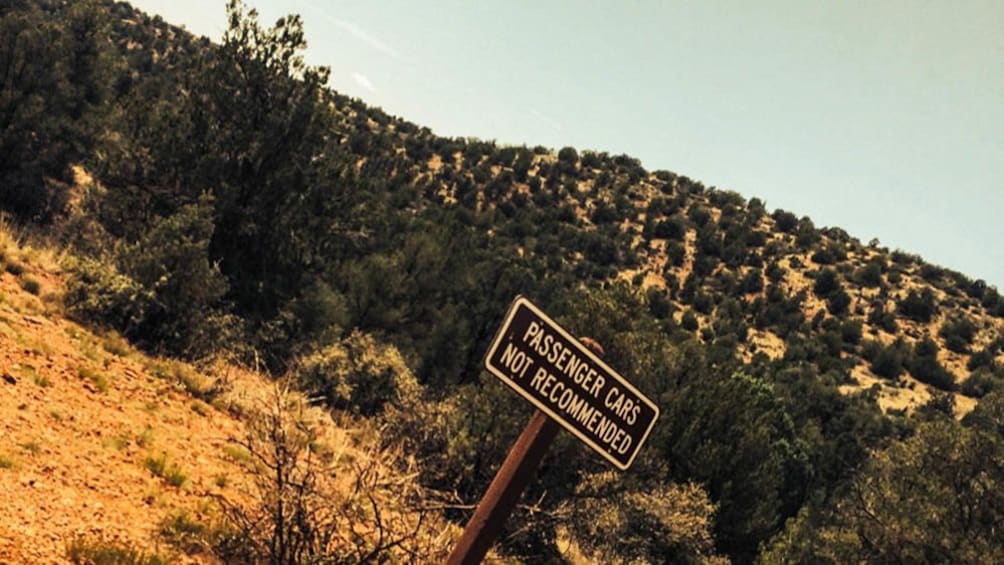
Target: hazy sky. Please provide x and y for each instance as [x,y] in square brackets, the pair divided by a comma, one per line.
[883,118]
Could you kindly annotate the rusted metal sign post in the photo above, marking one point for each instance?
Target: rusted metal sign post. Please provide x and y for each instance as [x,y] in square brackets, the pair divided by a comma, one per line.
[571,387]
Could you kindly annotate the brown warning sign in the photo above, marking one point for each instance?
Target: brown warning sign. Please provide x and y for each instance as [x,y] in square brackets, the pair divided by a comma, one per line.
[540,360]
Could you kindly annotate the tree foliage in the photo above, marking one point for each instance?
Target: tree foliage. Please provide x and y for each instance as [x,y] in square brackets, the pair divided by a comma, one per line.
[935,497]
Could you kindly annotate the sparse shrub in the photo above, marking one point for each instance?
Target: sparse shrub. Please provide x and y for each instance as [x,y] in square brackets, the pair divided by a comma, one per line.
[991,298]
[171,473]
[983,358]
[568,156]
[976,288]
[829,254]
[604,214]
[659,304]
[703,302]
[99,381]
[297,514]
[931,273]
[707,335]
[903,258]
[752,282]
[880,317]
[699,215]
[676,253]
[188,534]
[775,272]
[806,234]
[823,256]
[850,332]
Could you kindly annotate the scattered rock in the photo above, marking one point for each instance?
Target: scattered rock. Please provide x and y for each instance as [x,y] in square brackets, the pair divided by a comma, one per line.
[35,320]
[9,379]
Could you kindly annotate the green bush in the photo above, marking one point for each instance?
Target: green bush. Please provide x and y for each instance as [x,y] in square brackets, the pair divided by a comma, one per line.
[568,156]
[689,321]
[958,334]
[850,332]
[980,384]
[785,221]
[870,275]
[161,290]
[879,317]
[826,283]
[98,292]
[699,215]
[925,367]
[919,306]
[671,228]
[983,358]
[356,374]
[885,361]
[838,302]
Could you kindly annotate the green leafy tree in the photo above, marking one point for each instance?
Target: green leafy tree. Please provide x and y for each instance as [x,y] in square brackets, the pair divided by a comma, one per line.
[934,498]
[732,435]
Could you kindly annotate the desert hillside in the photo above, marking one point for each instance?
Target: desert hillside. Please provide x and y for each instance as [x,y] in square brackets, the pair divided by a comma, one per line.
[217,205]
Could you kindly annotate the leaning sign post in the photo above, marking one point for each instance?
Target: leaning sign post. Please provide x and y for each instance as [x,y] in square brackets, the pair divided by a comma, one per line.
[572,388]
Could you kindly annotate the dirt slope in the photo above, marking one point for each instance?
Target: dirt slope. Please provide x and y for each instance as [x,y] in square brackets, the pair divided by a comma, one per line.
[98,441]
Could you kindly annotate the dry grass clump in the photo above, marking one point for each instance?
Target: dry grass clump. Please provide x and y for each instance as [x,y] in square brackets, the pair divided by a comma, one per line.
[97,551]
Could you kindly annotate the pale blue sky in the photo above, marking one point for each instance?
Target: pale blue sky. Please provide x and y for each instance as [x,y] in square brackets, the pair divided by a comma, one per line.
[883,118]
